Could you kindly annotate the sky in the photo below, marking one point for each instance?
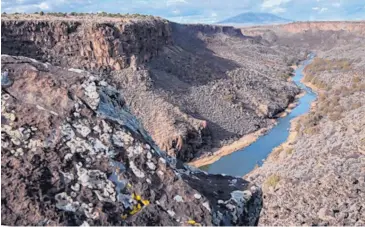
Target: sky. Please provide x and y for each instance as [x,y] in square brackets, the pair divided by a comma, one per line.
[200,11]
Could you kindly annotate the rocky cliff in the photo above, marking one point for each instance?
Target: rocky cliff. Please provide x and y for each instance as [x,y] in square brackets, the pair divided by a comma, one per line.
[73,154]
[300,27]
[194,87]
[104,46]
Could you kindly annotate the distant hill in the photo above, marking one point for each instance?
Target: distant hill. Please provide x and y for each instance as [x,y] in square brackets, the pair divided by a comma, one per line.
[255,19]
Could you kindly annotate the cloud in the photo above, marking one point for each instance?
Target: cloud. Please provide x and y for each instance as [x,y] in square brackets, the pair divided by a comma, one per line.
[44,6]
[175,2]
[319,9]
[273,3]
[278,10]
[176,11]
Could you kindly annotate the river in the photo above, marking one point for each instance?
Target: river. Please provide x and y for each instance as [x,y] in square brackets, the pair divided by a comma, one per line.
[243,161]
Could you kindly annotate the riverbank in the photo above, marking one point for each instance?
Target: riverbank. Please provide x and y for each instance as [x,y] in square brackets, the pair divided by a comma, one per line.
[248,139]
[228,149]
[244,141]
[283,150]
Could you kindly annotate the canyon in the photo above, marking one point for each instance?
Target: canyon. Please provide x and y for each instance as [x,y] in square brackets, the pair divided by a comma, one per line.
[99,115]
[194,87]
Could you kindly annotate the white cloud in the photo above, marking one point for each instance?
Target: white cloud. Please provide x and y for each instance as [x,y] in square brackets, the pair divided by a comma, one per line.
[175,2]
[323,10]
[319,9]
[176,11]
[43,6]
[336,4]
[273,3]
[278,10]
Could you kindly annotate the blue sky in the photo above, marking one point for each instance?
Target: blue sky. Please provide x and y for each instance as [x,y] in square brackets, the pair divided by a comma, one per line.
[201,11]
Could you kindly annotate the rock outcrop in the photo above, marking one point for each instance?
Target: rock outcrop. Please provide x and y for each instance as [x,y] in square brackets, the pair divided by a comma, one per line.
[73,154]
[194,87]
[104,46]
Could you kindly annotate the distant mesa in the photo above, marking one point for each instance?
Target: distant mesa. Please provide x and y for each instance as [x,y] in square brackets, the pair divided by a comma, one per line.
[254,19]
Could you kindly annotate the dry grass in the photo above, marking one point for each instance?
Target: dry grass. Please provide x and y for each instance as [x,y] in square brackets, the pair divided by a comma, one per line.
[272,180]
[320,65]
[290,150]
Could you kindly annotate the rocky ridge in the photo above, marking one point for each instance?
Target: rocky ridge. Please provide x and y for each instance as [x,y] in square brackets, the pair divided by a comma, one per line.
[73,154]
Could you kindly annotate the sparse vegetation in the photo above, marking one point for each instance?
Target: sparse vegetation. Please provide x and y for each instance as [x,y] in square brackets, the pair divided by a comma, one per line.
[272,180]
[320,64]
[356,79]
[335,116]
[289,150]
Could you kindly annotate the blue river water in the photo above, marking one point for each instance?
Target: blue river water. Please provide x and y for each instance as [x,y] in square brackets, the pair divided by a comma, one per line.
[243,161]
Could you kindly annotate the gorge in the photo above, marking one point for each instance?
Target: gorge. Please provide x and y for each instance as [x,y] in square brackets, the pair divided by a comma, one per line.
[101,114]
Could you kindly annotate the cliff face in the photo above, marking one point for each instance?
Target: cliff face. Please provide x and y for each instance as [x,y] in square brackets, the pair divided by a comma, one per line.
[73,154]
[300,27]
[110,45]
[353,27]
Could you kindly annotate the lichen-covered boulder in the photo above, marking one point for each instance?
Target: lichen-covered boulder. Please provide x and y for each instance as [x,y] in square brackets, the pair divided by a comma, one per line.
[72,154]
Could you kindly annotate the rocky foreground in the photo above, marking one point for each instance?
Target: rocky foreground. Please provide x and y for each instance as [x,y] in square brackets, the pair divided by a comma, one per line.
[194,87]
[318,176]
[73,154]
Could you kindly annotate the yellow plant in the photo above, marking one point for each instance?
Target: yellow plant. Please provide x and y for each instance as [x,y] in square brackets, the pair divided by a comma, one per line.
[272,180]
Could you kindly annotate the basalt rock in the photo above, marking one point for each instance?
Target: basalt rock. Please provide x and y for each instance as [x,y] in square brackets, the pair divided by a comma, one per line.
[73,154]
[104,46]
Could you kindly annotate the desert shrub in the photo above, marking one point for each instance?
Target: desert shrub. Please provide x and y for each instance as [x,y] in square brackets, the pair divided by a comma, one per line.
[41,13]
[362,141]
[229,98]
[73,14]
[311,130]
[272,180]
[297,127]
[279,149]
[286,76]
[57,14]
[289,150]
[308,77]
[356,79]
[322,97]
[362,87]
[335,116]
[355,105]
[311,119]
[320,64]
